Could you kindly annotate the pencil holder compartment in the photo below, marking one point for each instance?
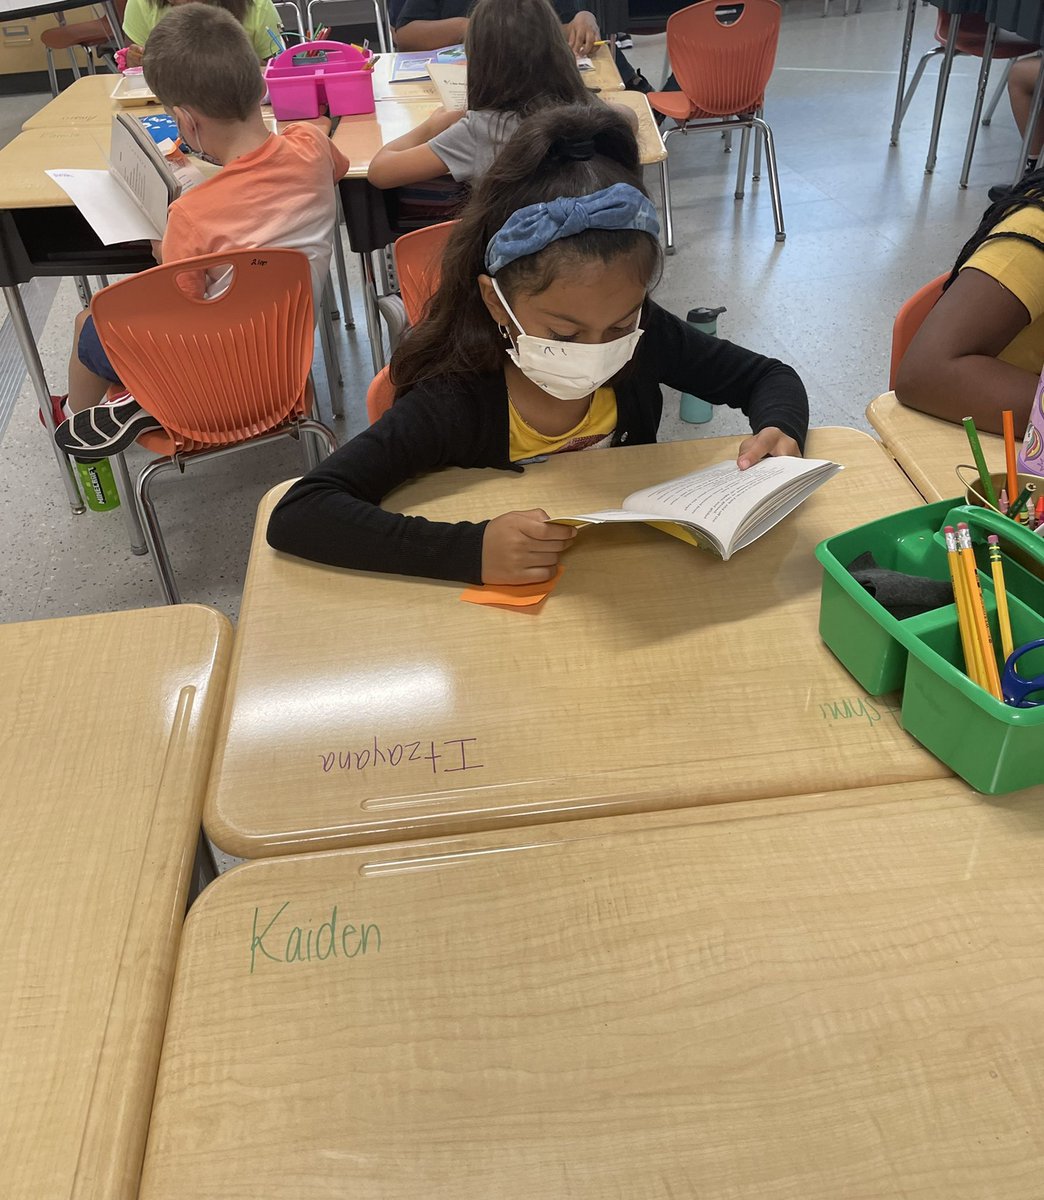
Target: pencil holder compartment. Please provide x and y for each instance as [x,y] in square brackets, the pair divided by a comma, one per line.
[994,746]
[303,79]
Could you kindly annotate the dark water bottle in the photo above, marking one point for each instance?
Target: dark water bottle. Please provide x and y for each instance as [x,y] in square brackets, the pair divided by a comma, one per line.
[98,485]
[693,410]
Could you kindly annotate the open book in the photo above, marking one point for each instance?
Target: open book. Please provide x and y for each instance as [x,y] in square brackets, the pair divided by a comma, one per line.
[451,82]
[720,508]
[129,201]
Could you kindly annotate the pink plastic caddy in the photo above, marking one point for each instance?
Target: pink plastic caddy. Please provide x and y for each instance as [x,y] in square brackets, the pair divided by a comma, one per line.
[340,77]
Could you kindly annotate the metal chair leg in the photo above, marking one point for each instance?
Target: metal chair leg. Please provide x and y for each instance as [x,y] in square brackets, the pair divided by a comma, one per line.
[75,64]
[83,290]
[90,60]
[757,146]
[1031,125]
[980,96]
[668,215]
[1002,87]
[321,434]
[125,488]
[153,534]
[770,158]
[940,91]
[334,379]
[904,61]
[741,166]
[52,74]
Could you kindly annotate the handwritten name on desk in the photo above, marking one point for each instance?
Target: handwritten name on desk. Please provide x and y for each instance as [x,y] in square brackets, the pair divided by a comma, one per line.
[304,943]
[860,708]
[455,754]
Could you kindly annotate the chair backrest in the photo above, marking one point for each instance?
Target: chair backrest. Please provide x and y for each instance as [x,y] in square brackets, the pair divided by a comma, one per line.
[722,54]
[909,319]
[380,395]
[418,264]
[214,371]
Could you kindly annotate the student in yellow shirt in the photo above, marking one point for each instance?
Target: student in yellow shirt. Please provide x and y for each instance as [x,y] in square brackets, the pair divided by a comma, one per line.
[256,16]
[981,348]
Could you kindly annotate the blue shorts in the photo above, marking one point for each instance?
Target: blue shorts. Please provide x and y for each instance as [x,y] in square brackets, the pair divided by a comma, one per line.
[91,353]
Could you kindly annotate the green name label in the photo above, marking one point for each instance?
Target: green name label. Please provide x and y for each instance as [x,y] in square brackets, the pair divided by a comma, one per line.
[274,939]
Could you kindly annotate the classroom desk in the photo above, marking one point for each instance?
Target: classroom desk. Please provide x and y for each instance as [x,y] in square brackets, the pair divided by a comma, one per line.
[655,676]
[928,449]
[109,726]
[603,77]
[826,996]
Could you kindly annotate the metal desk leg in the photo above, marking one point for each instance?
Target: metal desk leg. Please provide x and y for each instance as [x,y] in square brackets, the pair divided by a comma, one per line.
[904,62]
[980,98]
[1031,124]
[373,317]
[125,488]
[43,394]
[342,267]
[940,91]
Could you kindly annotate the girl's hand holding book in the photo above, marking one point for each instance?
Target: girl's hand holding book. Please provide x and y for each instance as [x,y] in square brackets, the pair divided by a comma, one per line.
[523,547]
[769,441]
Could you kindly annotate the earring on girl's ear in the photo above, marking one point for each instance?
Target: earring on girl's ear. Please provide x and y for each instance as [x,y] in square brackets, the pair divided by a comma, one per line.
[506,335]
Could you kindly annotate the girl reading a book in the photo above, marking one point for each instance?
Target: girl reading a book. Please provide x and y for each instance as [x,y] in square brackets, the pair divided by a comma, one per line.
[541,339]
[519,62]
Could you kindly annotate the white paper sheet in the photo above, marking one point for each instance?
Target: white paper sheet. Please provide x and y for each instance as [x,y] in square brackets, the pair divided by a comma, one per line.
[451,82]
[109,209]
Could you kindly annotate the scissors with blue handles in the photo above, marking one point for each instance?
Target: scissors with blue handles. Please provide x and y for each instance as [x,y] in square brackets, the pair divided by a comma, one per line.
[1020,691]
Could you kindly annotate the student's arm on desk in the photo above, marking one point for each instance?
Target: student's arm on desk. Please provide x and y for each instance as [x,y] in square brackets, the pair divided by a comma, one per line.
[409,159]
[332,515]
[769,392]
[430,35]
[951,369]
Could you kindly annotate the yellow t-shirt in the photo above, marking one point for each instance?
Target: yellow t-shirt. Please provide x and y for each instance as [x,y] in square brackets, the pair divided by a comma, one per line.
[592,433]
[1019,266]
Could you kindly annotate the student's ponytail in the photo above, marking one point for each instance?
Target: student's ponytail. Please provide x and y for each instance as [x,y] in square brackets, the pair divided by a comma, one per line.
[568,151]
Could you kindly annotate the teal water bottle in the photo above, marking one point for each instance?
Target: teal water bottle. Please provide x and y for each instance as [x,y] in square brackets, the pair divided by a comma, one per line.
[693,410]
[98,485]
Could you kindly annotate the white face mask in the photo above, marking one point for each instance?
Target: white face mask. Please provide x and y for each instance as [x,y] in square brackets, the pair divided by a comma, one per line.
[567,370]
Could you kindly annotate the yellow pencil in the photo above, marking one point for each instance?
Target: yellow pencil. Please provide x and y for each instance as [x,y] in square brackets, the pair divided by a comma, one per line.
[999,590]
[981,627]
[953,559]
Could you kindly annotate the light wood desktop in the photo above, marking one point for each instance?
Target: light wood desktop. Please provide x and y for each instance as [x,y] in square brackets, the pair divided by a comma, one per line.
[655,675]
[108,732]
[826,996]
[928,449]
[359,138]
[603,77]
[25,160]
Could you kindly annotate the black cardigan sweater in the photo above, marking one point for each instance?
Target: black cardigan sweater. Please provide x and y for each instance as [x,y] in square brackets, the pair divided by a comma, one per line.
[332,515]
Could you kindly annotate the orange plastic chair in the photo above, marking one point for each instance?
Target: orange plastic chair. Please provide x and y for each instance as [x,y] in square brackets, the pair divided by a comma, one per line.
[722,55]
[418,265]
[380,395]
[218,374]
[88,35]
[909,319]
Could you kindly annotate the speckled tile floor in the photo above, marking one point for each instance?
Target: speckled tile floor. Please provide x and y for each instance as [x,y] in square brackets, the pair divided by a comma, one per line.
[865,228]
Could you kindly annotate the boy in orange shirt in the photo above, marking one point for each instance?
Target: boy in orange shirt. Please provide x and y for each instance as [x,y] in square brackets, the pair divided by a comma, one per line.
[272,190]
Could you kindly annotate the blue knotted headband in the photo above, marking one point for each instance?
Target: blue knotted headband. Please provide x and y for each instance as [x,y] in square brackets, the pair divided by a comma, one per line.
[538,225]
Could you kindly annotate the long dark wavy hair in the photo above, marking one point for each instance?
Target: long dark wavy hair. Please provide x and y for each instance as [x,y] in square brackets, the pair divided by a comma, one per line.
[519,60]
[1027,193]
[457,336]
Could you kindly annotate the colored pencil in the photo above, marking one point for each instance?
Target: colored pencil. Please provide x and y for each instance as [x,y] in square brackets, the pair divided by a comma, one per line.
[1008,423]
[1015,511]
[981,627]
[1001,594]
[988,493]
[953,560]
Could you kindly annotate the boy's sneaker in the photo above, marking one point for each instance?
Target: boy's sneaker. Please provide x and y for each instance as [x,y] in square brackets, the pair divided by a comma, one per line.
[104,430]
[624,41]
[58,413]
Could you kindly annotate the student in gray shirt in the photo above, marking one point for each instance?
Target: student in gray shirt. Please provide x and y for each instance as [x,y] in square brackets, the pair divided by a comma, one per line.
[519,63]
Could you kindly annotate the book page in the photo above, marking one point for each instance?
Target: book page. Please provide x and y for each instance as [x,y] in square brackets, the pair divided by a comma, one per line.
[722,499]
[409,67]
[149,182]
[451,82]
[110,210]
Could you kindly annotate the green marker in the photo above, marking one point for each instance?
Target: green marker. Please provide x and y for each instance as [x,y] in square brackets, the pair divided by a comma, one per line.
[989,494]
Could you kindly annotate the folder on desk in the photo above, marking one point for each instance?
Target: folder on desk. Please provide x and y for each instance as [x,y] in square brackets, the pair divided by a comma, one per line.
[129,201]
